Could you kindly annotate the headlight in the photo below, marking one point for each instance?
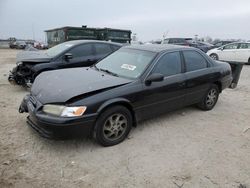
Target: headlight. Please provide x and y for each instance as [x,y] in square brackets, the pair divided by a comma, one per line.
[64,111]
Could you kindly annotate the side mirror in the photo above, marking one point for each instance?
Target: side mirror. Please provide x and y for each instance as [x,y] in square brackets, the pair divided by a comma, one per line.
[221,48]
[68,56]
[155,77]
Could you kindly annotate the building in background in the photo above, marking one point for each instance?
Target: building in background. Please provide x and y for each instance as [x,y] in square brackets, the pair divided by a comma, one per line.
[59,35]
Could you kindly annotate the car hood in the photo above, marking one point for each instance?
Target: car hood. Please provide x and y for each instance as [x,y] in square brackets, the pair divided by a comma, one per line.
[59,86]
[33,57]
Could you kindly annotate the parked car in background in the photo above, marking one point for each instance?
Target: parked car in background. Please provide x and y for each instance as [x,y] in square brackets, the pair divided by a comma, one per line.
[204,46]
[18,45]
[136,43]
[233,52]
[132,84]
[222,43]
[177,41]
[40,45]
[158,41]
[78,53]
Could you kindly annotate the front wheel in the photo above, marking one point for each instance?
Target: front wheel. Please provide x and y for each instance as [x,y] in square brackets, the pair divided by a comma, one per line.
[210,99]
[214,56]
[113,126]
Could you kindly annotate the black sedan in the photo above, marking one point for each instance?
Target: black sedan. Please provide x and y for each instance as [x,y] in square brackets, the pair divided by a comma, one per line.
[204,46]
[78,53]
[130,85]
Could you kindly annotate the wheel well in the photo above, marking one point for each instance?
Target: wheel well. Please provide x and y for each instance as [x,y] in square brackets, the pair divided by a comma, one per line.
[124,104]
[219,85]
[213,54]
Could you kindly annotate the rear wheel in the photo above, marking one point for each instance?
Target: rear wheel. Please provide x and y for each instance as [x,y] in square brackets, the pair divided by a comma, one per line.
[214,56]
[113,126]
[248,61]
[210,99]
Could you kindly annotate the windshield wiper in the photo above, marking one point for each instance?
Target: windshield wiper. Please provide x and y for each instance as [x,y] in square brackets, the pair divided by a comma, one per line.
[109,72]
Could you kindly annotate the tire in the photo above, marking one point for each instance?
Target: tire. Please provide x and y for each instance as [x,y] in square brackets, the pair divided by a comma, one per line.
[214,56]
[113,126]
[210,98]
[248,61]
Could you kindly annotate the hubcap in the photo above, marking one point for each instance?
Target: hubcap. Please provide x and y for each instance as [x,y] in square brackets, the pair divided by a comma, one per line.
[115,127]
[211,97]
[214,57]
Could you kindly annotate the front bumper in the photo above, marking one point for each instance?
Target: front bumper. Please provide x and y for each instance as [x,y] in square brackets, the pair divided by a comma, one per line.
[12,76]
[56,127]
[17,77]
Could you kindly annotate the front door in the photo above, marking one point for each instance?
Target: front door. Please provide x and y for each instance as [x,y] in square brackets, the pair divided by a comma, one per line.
[166,95]
[83,56]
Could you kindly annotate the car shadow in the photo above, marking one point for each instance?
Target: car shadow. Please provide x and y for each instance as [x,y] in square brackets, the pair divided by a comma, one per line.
[88,143]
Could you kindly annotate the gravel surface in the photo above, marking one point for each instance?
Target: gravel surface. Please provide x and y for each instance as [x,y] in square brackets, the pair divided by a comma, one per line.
[184,148]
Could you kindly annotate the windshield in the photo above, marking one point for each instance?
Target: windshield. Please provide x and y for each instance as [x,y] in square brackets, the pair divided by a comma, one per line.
[165,41]
[52,52]
[128,63]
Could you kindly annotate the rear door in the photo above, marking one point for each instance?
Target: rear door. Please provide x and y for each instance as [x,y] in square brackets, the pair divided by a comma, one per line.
[228,52]
[243,52]
[83,56]
[168,94]
[197,76]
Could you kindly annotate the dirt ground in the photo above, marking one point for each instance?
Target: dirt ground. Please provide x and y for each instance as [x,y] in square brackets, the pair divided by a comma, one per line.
[187,148]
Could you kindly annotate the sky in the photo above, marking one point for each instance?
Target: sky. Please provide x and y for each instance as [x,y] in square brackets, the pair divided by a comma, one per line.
[149,19]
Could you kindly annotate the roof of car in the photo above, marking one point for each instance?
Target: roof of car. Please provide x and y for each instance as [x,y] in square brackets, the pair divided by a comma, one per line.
[157,47]
[236,43]
[92,41]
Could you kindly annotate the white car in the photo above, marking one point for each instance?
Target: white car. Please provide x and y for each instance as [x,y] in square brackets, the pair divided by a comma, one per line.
[233,52]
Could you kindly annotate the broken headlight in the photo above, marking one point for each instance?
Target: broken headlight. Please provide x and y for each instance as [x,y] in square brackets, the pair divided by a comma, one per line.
[19,63]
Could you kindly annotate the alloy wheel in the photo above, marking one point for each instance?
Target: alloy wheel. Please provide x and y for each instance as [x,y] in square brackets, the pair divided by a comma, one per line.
[214,57]
[211,97]
[115,126]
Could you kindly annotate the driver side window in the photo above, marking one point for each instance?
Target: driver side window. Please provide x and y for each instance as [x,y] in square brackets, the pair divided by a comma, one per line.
[169,64]
[81,51]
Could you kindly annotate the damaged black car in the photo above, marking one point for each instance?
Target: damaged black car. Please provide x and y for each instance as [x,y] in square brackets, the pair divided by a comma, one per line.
[78,53]
[132,84]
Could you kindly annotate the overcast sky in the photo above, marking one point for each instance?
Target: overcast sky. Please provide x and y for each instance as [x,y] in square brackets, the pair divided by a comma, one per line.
[150,19]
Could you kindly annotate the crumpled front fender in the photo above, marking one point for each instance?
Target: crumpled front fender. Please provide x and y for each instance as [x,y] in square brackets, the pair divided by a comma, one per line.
[23,106]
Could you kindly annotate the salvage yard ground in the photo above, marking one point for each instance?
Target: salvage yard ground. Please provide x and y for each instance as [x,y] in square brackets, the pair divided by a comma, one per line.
[187,148]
